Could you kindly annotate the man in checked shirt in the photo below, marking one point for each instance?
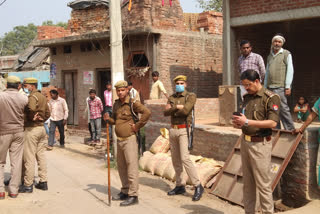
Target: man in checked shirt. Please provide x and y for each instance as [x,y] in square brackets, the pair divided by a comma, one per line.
[250,60]
[95,108]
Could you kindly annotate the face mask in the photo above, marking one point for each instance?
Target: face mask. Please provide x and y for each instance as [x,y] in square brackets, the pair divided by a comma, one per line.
[26,90]
[179,88]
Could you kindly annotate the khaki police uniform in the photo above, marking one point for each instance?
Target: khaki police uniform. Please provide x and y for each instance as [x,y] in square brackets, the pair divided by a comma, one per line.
[256,148]
[178,135]
[127,146]
[35,133]
[11,133]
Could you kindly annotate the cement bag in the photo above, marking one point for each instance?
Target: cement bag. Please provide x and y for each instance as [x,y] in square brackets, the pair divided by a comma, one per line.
[169,173]
[207,169]
[162,163]
[160,145]
[154,161]
[144,159]
[195,159]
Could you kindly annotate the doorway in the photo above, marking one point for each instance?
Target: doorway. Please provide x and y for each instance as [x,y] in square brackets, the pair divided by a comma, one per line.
[71,87]
[104,76]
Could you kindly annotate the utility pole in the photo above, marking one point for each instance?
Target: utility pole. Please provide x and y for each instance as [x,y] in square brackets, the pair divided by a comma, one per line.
[117,72]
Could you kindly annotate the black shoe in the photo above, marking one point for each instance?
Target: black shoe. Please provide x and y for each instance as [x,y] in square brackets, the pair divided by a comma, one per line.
[178,190]
[131,200]
[42,185]
[120,197]
[198,193]
[7,182]
[62,146]
[25,189]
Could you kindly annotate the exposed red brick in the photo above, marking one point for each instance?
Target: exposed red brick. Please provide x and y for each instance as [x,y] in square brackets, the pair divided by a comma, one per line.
[52,32]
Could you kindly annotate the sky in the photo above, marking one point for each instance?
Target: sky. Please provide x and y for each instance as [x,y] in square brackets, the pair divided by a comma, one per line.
[14,12]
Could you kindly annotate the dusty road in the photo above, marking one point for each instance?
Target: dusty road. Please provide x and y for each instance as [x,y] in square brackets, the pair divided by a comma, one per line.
[78,184]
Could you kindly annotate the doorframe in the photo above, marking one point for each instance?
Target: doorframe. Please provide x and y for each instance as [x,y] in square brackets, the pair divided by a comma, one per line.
[75,93]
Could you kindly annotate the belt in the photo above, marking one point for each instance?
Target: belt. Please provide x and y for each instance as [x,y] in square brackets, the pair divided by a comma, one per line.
[256,139]
[179,126]
[122,138]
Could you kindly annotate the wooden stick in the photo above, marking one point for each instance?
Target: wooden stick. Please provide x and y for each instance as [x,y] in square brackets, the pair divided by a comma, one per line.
[108,153]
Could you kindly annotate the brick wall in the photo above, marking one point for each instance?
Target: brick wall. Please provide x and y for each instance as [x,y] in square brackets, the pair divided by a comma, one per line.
[52,32]
[304,54]
[299,183]
[94,19]
[198,56]
[248,7]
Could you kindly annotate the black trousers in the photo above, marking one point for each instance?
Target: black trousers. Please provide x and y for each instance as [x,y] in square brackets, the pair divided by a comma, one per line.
[52,131]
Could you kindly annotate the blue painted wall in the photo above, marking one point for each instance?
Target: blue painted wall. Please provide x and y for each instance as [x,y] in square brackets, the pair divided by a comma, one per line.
[42,76]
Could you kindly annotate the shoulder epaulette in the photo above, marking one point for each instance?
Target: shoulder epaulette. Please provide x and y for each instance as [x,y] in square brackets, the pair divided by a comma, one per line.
[269,93]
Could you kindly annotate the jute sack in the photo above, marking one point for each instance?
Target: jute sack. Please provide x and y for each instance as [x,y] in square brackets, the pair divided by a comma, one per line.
[154,161]
[162,164]
[144,159]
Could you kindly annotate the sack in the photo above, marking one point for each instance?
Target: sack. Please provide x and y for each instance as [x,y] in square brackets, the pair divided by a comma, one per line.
[160,145]
[154,161]
[169,173]
[144,159]
[162,164]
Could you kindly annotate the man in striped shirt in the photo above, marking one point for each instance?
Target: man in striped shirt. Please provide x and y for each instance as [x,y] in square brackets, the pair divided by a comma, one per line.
[250,60]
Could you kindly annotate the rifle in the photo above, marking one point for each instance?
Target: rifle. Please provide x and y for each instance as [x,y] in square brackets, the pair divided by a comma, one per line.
[138,134]
[190,134]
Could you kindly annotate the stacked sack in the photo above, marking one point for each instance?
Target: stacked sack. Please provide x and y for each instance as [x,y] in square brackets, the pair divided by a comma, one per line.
[158,161]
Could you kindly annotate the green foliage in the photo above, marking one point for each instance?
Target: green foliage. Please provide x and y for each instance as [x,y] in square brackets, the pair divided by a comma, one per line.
[210,5]
[20,38]
[50,23]
[17,40]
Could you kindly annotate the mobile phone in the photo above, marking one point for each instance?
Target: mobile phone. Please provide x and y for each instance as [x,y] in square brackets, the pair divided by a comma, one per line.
[236,113]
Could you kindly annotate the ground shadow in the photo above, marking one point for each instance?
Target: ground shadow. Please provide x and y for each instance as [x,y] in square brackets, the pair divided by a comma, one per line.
[200,209]
[102,189]
[96,156]
[155,183]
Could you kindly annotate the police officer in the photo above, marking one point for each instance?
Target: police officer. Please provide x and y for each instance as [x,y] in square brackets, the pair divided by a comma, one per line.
[37,111]
[11,133]
[127,146]
[260,115]
[179,107]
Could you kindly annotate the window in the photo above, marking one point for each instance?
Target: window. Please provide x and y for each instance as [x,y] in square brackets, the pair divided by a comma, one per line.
[54,51]
[67,49]
[85,47]
[138,59]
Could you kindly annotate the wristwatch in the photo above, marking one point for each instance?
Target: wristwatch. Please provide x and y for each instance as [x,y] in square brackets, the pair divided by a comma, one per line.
[246,123]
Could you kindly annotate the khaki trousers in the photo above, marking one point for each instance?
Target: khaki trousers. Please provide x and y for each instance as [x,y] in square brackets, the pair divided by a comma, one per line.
[256,162]
[180,157]
[14,144]
[128,166]
[34,147]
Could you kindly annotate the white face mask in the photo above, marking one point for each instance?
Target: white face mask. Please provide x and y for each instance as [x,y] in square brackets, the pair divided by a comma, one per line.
[26,90]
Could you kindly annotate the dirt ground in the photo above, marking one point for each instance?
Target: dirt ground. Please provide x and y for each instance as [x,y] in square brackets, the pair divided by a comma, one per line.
[77,180]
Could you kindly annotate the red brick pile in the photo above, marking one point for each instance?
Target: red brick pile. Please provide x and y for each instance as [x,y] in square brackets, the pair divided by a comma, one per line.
[211,21]
[52,32]
[46,92]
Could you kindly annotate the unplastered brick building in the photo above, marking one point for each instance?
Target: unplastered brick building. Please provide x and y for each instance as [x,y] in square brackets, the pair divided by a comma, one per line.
[258,21]
[156,37]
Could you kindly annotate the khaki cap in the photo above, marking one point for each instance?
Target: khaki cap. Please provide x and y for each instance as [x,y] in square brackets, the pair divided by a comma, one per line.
[121,84]
[180,78]
[13,79]
[30,80]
